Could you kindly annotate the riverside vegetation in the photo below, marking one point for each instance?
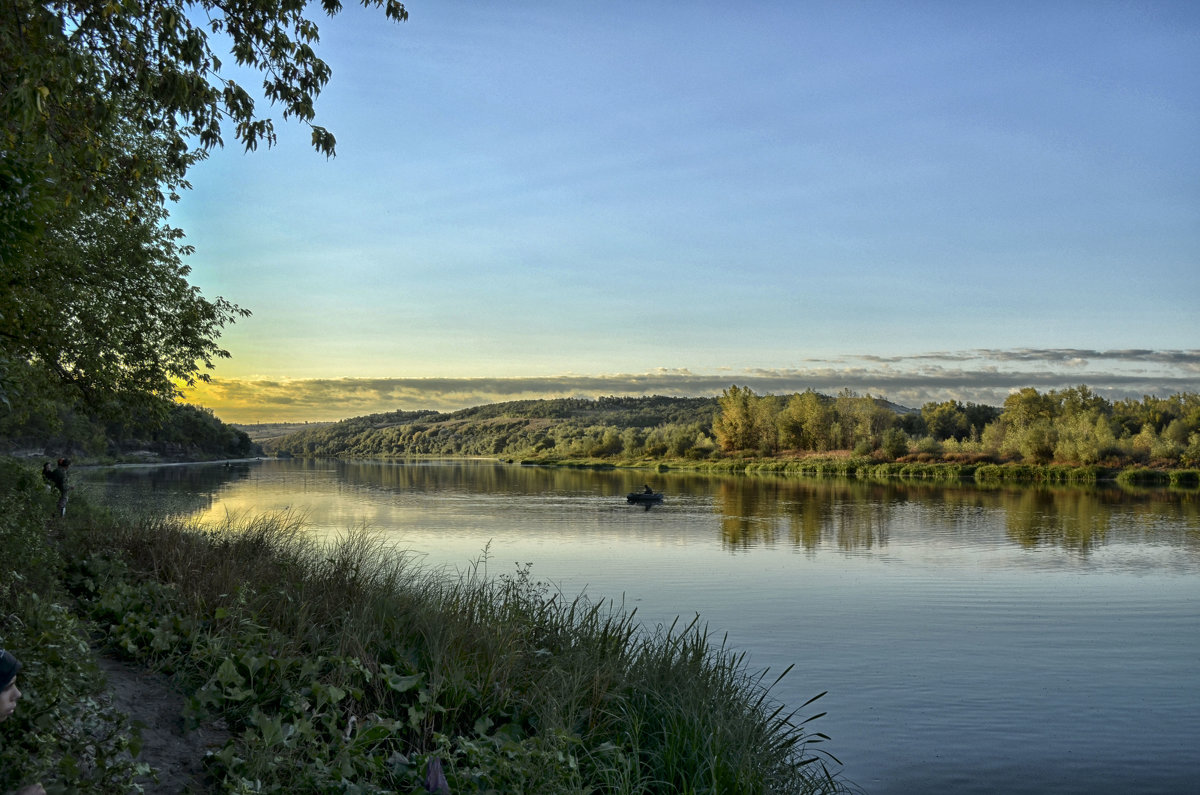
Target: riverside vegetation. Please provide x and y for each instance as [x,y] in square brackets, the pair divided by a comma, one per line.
[347,669]
[1072,435]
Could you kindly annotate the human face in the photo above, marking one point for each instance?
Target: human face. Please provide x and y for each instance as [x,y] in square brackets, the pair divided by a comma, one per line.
[8,700]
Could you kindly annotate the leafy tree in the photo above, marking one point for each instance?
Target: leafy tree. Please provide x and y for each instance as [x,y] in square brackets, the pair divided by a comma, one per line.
[1025,428]
[1035,442]
[946,420]
[735,424]
[913,424]
[103,108]
[1027,406]
[951,419]
[805,422]
[979,416]
[1081,400]
[633,441]
[106,307]
[864,419]
[930,446]
[766,425]
[746,421]
[73,65]
[1191,454]
[1083,438]
[1178,430]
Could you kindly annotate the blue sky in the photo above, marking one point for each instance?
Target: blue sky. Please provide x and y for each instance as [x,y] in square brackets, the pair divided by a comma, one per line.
[921,200]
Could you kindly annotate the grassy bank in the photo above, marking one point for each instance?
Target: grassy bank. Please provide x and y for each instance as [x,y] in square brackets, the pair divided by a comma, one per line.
[348,669]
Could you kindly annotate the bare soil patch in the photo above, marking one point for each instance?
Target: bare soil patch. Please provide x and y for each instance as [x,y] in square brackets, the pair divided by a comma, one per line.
[177,754]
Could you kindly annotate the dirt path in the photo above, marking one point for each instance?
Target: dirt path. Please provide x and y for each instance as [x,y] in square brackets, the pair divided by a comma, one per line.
[176,754]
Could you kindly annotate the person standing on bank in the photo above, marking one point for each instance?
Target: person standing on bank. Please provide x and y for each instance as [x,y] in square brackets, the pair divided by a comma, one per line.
[10,666]
[57,478]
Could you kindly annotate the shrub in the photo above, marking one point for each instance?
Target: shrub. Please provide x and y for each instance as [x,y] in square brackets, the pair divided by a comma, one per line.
[895,443]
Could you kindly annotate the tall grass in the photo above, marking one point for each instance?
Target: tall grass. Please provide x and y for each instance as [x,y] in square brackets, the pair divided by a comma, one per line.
[383,665]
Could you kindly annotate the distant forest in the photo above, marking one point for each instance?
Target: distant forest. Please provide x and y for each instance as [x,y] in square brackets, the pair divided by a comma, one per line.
[562,428]
[1071,426]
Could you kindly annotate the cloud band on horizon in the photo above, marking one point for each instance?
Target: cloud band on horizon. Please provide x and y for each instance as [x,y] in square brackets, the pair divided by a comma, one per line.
[1137,373]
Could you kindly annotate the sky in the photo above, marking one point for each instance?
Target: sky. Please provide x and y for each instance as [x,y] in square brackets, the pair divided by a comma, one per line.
[921,200]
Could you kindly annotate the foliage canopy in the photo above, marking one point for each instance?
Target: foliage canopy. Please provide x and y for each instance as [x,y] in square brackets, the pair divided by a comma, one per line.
[104,106]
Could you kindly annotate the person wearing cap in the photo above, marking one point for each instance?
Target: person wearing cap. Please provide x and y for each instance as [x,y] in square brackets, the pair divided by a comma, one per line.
[10,666]
[9,694]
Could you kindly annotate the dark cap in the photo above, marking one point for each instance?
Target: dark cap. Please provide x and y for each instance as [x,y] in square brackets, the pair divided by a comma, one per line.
[9,666]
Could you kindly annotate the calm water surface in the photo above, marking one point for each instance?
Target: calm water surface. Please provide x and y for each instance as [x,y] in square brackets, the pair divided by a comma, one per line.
[972,641]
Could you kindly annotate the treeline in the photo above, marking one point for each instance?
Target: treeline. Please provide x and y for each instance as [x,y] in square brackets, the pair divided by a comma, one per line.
[1070,426]
[563,428]
[164,428]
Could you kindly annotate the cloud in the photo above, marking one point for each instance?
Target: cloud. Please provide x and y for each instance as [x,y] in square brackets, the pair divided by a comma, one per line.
[979,376]
[1189,358]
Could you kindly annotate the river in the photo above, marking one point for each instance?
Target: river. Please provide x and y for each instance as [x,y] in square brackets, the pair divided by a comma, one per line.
[971,640]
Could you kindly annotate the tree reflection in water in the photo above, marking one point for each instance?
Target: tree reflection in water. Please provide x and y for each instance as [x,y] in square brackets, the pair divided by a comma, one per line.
[855,515]
[806,514]
[169,488]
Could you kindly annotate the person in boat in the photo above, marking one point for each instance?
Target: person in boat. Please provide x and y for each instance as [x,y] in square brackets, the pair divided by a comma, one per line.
[647,490]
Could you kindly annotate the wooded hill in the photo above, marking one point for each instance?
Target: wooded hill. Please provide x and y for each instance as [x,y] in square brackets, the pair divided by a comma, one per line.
[607,427]
[565,427]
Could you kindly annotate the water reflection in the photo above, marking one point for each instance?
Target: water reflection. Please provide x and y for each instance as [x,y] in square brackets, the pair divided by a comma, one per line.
[758,511]
[861,515]
[173,489]
[850,516]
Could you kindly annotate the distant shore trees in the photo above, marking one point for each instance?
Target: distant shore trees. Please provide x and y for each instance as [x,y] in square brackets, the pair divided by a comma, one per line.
[807,421]
[1073,425]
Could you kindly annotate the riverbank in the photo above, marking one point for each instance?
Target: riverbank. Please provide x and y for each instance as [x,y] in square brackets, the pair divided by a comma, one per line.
[348,665]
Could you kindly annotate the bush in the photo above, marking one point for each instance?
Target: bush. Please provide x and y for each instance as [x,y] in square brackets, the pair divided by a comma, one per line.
[895,443]
[929,446]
